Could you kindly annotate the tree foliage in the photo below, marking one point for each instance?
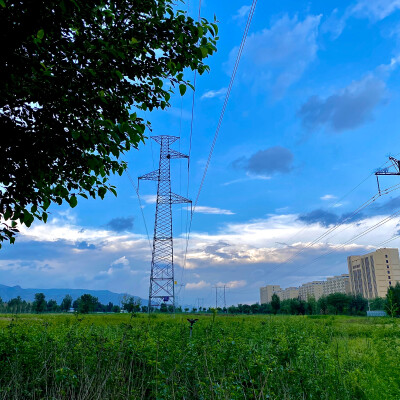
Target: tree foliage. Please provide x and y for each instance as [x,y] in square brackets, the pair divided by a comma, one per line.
[86,303]
[275,303]
[66,303]
[40,304]
[393,300]
[73,72]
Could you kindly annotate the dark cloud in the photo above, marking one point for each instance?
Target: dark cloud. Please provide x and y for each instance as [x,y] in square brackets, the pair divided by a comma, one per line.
[389,206]
[269,161]
[345,110]
[39,251]
[325,218]
[84,245]
[216,249]
[120,224]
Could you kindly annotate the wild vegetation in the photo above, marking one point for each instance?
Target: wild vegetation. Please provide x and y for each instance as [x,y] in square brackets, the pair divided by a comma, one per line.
[122,356]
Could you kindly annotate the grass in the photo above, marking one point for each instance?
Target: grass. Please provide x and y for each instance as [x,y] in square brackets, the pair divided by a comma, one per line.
[229,357]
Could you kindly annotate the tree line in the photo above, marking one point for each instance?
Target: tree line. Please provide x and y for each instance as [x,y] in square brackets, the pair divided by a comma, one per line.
[84,304]
[334,304]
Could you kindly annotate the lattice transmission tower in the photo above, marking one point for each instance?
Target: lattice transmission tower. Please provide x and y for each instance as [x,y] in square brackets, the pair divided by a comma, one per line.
[162,281]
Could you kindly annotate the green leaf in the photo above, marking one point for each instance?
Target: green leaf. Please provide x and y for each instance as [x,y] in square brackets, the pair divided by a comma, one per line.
[2,3]
[102,191]
[182,89]
[44,217]
[40,34]
[204,51]
[134,41]
[120,76]
[73,201]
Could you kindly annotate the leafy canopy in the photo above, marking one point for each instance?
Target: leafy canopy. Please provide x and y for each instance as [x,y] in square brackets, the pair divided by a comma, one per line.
[74,71]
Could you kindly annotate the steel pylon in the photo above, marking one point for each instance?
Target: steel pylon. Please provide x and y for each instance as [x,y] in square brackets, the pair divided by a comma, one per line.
[162,282]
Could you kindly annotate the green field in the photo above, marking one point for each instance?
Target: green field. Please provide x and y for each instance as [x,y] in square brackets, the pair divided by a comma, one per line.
[228,357]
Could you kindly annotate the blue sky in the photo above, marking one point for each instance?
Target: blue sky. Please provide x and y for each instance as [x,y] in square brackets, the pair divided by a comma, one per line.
[313,112]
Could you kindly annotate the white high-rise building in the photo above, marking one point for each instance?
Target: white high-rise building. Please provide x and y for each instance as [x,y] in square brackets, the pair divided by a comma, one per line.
[372,274]
[337,284]
[311,289]
[266,293]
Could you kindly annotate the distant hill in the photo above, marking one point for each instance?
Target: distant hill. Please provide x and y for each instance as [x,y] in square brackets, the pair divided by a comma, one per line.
[104,296]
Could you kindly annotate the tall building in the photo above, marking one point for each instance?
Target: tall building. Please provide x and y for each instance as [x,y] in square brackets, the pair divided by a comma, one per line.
[311,289]
[288,293]
[372,273]
[337,284]
[266,293]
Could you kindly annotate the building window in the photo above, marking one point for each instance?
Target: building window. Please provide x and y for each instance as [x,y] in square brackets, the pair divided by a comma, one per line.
[388,277]
[390,283]
[386,255]
[387,261]
[387,266]
[388,272]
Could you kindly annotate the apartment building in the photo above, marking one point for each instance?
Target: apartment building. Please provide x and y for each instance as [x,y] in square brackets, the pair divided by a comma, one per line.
[371,274]
[266,293]
[311,289]
[288,293]
[337,284]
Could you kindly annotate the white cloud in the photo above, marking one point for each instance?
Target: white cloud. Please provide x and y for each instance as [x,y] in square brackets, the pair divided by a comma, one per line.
[149,198]
[233,284]
[214,93]
[374,10]
[198,285]
[277,57]
[263,241]
[212,210]
[328,197]
[242,12]
[121,261]
[249,177]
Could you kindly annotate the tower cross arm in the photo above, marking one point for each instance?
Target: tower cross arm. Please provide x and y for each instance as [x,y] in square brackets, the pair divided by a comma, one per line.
[177,199]
[176,154]
[151,176]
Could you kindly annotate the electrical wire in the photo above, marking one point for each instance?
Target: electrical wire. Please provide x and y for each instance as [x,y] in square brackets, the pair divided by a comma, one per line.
[224,106]
[368,230]
[140,206]
[332,229]
[338,202]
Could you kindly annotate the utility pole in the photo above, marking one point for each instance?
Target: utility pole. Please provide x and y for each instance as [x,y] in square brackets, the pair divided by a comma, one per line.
[220,296]
[200,301]
[162,281]
[385,171]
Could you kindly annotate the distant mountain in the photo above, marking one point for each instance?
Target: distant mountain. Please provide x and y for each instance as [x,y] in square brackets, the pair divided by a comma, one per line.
[104,296]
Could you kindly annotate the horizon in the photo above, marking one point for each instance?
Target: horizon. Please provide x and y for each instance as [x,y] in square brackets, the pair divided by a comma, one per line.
[309,120]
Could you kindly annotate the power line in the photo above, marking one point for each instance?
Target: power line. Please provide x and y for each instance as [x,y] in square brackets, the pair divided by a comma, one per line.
[332,229]
[184,248]
[140,206]
[224,106]
[368,230]
[338,202]
[228,92]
